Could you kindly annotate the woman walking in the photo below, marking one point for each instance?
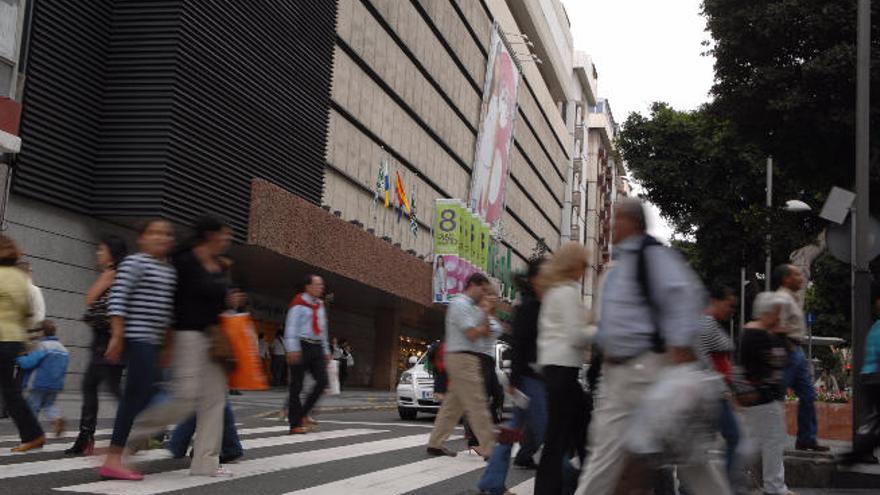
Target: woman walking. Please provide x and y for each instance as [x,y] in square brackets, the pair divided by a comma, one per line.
[15,311]
[563,338]
[198,381]
[140,307]
[764,355]
[111,252]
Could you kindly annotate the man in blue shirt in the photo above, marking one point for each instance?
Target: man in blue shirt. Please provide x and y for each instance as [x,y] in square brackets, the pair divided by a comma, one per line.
[308,350]
[650,317]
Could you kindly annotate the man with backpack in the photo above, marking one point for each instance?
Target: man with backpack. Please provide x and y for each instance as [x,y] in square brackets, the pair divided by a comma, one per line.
[650,318]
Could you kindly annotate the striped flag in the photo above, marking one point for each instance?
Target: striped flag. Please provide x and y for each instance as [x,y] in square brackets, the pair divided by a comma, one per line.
[379,182]
[387,184]
[413,223]
[401,193]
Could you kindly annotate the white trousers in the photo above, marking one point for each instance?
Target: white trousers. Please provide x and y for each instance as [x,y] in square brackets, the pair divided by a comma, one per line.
[198,385]
[766,425]
[620,391]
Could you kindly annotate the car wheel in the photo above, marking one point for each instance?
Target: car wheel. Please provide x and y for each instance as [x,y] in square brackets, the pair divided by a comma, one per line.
[407,414]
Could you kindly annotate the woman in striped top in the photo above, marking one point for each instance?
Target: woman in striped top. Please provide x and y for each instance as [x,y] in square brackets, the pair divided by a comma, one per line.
[140,308]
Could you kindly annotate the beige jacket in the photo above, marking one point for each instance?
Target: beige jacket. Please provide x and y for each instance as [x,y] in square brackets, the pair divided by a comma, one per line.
[792,316]
[564,332]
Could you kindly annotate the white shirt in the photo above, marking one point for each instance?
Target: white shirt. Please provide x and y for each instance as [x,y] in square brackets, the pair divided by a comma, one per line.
[792,316]
[38,307]
[563,330]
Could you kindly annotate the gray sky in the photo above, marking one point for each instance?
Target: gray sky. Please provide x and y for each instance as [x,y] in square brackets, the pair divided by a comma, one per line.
[644,51]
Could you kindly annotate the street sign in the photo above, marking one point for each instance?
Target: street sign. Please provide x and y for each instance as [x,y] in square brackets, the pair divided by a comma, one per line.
[837,206]
[811,319]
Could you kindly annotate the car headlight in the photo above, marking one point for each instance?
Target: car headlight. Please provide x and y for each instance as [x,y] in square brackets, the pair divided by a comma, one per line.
[406,379]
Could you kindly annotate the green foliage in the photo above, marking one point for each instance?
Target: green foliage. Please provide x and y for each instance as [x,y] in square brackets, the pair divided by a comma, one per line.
[829,298]
[785,79]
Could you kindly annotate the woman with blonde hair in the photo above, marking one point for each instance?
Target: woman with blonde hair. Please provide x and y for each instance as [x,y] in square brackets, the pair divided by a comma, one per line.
[564,335]
[15,311]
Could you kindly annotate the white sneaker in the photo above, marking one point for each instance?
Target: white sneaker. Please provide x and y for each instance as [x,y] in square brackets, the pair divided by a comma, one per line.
[222,472]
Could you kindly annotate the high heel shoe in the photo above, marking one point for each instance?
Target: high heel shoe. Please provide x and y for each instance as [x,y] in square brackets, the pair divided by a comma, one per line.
[84,445]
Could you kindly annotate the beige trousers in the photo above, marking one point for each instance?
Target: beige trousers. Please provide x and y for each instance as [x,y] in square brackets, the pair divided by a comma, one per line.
[620,391]
[466,394]
[198,385]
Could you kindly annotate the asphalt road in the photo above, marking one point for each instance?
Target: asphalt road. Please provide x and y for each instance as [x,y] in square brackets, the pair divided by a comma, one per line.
[366,452]
[370,452]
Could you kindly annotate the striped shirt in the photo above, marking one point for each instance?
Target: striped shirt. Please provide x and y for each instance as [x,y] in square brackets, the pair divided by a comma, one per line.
[143,294]
[713,339]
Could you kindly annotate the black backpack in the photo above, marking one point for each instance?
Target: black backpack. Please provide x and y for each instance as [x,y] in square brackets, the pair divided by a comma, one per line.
[642,276]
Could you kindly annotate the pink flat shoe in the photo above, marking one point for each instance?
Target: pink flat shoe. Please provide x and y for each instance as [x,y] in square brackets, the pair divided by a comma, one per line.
[119,474]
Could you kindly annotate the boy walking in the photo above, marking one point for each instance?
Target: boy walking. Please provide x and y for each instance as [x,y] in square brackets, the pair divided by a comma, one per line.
[45,368]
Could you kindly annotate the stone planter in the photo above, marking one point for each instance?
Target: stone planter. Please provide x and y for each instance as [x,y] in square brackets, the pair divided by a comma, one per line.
[834,420]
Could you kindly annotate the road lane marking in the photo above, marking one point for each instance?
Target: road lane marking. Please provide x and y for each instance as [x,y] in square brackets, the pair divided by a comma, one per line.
[401,479]
[72,464]
[181,480]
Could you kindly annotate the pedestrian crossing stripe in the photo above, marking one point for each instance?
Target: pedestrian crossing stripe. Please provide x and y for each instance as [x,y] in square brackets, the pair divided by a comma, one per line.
[181,480]
[60,447]
[72,464]
[401,479]
[527,487]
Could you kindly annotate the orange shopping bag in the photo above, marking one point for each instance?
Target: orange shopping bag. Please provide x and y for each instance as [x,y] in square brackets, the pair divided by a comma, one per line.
[248,373]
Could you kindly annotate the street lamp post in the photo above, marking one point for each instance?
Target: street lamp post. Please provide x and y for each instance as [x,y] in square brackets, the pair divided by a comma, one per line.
[862,279]
[768,266]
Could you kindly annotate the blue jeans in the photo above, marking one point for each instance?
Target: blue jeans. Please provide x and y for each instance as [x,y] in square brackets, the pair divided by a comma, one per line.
[730,431]
[39,400]
[183,433]
[142,360]
[535,420]
[799,379]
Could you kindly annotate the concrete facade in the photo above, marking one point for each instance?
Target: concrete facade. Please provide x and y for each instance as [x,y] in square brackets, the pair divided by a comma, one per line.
[407,85]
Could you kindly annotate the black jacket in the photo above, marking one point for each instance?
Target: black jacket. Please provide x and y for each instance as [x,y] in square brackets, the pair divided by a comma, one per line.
[525,337]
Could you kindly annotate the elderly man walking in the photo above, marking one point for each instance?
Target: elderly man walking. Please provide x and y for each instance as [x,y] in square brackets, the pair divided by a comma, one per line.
[466,325]
[788,281]
[650,319]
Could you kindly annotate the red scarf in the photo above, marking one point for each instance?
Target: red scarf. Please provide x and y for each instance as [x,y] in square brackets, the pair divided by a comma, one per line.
[299,300]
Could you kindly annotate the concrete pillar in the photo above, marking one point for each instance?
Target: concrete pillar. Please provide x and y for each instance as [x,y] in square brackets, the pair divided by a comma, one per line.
[386,355]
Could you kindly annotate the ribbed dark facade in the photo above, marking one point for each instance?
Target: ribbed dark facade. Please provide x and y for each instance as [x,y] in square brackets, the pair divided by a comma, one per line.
[171,108]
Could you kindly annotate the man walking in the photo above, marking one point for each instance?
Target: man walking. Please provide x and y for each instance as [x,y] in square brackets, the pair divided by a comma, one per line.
[466,324]
[650,319]
[788,281]
[308,350]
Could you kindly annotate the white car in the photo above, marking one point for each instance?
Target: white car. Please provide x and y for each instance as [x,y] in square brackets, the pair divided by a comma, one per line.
[415,390]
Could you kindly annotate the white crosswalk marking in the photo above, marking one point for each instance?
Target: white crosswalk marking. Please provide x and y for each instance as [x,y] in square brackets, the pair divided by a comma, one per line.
[73,464]
[527,487]
[401,479]
[181,480]
[60,447]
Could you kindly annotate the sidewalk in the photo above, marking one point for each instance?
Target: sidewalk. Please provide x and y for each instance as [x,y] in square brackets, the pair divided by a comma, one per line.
[263,403]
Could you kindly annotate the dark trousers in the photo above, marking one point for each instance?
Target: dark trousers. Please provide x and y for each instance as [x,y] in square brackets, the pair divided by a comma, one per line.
[28,427]
[142,361]
[279,369]
[566,409]
[343,371]
[313,362]
[96,374]
[183,434]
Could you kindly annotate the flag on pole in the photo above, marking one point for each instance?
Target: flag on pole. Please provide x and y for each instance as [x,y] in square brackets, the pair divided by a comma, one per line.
[413,223]
[387,184]
[379,182]
[401,194]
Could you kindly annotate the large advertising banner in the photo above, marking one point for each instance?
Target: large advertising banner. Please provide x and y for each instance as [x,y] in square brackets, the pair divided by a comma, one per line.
[497,118]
